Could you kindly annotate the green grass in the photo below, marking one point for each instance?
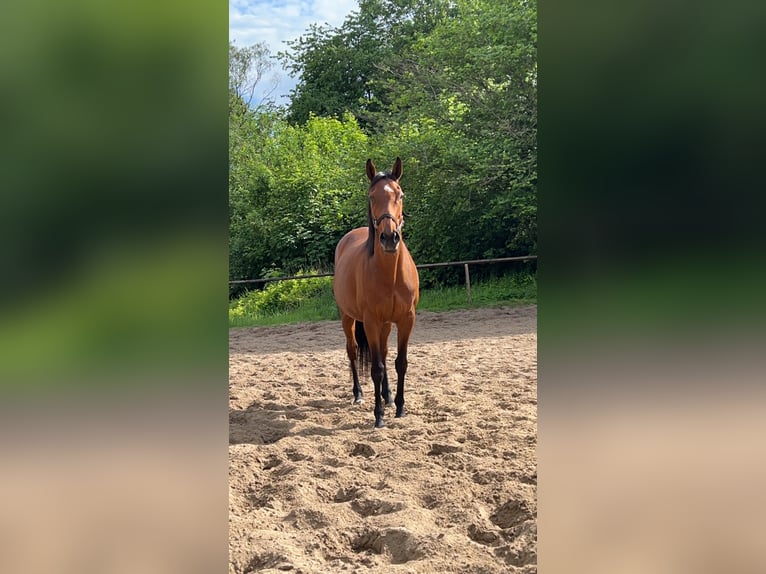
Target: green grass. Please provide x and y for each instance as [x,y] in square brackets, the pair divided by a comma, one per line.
[307,302]
[498,291]
[319,307]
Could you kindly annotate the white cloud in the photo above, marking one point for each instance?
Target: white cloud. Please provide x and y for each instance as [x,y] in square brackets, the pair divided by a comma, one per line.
[333,11]
[276,21]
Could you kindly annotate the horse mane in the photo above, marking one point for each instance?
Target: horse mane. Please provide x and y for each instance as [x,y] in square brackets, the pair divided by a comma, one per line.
[370,232]
[370,227]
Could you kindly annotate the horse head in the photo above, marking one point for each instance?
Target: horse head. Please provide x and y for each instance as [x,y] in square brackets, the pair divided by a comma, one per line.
[384,212]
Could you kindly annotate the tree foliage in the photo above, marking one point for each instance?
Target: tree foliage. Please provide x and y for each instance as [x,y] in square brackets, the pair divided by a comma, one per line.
[449,86]
[345,69]
[472,94]
[291,190]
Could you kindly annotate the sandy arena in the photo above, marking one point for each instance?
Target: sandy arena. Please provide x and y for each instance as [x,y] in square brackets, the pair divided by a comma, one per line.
[451,487]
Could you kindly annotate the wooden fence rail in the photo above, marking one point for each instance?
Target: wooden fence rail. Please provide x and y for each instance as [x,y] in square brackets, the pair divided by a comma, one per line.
[465,264]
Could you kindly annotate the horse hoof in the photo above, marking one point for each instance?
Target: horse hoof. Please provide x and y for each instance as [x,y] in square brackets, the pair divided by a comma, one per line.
[400,414]
[358,401]
[379,425]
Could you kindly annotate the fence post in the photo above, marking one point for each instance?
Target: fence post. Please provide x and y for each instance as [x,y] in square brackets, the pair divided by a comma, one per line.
[467,283]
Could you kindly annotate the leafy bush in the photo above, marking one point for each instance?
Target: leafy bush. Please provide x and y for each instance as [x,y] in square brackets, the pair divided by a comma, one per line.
[279,296]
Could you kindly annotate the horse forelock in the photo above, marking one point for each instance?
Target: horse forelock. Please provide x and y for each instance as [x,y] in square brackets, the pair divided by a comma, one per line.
[380,176]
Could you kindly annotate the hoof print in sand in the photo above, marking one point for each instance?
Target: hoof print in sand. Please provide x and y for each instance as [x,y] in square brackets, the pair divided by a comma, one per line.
[374,506]
[511,513]
[438,448]
[483,535]
[399,543]
[362,449]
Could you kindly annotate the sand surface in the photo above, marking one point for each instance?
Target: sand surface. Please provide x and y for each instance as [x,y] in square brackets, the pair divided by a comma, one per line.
[451,487]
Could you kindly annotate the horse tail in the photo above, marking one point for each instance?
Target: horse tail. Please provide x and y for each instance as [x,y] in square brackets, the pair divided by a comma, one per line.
[364,348]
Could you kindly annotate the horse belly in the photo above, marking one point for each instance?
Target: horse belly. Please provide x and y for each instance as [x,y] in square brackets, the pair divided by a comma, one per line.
[407,291]
[346,281]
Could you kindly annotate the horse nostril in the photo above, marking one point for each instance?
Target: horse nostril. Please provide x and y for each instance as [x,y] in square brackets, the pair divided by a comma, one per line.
[396,237]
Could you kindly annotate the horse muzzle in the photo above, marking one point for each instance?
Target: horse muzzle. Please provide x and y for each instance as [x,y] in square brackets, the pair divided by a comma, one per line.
[390,241]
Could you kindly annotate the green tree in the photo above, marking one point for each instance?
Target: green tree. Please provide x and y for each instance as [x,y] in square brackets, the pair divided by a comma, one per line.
[293,192]
[249,128]
[451,87]
[316,169]
[249,69]
[463,114]
[339,69]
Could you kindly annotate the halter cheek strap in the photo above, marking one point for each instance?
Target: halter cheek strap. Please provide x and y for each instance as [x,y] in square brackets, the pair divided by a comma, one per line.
[376,222]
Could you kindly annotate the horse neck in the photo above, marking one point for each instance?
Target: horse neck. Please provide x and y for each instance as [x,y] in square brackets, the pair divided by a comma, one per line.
[387,265]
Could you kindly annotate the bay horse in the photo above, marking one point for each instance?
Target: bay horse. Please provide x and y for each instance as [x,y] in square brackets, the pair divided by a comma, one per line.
[376,284]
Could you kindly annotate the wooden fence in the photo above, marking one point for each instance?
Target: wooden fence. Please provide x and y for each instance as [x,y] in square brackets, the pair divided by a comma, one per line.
[465,265]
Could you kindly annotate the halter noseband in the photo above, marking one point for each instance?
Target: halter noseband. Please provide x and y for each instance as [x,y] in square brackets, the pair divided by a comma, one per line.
[376,222]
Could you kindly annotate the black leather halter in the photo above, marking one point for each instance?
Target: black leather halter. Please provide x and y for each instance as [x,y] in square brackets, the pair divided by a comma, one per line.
[376,222]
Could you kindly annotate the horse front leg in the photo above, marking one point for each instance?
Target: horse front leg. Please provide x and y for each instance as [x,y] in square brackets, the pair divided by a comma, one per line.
[352,350]
[377,368]
[356,388]
[378,371]
[385,391]
[384,333]
[403,331]
[401,370]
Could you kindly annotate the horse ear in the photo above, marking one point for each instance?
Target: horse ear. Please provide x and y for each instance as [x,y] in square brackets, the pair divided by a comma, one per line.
[371,171]
[396,171]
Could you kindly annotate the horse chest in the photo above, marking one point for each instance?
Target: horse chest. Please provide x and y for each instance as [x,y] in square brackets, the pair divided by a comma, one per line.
[389,304]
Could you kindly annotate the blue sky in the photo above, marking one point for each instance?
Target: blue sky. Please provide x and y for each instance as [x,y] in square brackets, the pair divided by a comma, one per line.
[276,21]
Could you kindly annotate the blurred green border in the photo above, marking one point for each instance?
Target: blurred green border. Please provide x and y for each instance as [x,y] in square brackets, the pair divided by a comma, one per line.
[113,171]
